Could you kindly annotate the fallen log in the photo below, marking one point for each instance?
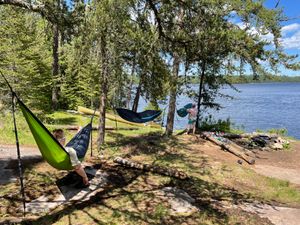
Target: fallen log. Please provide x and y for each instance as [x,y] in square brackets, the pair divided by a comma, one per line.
[231,147]
[151,168]
[255,134]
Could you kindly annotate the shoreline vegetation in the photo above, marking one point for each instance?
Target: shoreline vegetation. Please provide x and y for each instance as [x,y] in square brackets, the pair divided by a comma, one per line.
[246,79]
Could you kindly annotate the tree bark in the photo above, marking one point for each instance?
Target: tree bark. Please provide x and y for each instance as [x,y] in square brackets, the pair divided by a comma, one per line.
[203,67]
[173,94]
[104,90]
[55,67]
[137,97]
[130,85]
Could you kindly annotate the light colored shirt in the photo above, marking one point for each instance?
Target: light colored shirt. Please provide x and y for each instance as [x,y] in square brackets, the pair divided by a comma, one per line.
[192,113]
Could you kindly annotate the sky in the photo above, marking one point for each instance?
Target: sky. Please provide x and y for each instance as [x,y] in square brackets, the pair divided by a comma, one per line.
[290,28]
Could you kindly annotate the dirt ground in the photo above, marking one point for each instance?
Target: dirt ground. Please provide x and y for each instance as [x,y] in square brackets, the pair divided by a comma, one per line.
[8,161]
[283,164]
[287,159]
[279,164]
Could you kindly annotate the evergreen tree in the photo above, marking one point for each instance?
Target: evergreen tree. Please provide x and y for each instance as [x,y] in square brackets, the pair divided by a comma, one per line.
[25,55]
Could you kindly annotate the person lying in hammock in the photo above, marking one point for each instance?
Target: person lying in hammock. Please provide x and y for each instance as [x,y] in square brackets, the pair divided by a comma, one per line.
[59,135]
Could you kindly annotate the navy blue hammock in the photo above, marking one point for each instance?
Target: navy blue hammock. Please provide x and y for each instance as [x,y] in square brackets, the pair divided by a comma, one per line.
[141,117]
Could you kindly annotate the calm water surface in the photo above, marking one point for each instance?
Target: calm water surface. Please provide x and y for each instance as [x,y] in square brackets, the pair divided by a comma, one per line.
[257,106]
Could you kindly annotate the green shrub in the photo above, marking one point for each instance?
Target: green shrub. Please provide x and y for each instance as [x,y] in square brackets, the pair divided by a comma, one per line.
[280,131]
[210,124]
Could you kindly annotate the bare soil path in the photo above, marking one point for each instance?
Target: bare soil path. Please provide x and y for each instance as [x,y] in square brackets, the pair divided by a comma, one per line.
[284,165]
[8,161]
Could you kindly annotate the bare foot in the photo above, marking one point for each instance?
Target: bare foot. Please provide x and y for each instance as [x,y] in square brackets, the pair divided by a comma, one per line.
[86,181]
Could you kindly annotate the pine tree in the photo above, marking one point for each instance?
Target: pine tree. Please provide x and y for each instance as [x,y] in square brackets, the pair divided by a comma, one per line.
[25,55]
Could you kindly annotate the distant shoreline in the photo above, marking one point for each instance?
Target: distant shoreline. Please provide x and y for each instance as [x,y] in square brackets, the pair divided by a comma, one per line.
[247,79]
[267,82]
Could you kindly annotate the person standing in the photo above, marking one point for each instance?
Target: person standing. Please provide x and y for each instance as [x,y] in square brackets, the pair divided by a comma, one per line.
[192,118]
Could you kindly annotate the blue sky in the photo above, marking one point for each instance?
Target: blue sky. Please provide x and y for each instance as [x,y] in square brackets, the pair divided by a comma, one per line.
[290,28]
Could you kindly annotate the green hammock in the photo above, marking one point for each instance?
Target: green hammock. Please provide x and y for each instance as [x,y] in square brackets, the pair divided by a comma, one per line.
[52,151]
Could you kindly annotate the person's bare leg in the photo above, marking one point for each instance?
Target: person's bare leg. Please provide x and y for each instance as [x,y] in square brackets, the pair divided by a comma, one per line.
[79,169]
[194,129]
[188,130]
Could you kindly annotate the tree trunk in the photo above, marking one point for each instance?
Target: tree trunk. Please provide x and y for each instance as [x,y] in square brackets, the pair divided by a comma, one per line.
[137,97]
[102,110]
[104,90]
[200,92]
[173,94]
[241,67]
[130,85]
[55,67]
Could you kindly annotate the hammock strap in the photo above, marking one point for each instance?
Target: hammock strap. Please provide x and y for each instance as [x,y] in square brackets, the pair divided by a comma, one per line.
[93,115]
[12,91]
[19,154]
[13,96]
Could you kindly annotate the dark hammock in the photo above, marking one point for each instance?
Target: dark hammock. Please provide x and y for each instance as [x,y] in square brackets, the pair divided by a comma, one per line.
[142,117]
[182,112]
[80,142]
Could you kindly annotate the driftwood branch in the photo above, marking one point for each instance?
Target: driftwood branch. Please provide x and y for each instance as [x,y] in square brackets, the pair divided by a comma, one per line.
[232,148]
[151,168]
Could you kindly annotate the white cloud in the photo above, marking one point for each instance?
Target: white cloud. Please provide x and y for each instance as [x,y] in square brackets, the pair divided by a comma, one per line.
[253,31]
[290,28]
[290,35]
[292,42]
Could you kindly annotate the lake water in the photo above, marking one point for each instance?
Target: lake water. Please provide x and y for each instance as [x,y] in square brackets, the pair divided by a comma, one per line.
[257,106]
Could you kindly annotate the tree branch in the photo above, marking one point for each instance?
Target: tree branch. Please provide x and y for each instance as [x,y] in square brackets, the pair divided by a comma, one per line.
[36,7]
[160,27]
[45,10]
